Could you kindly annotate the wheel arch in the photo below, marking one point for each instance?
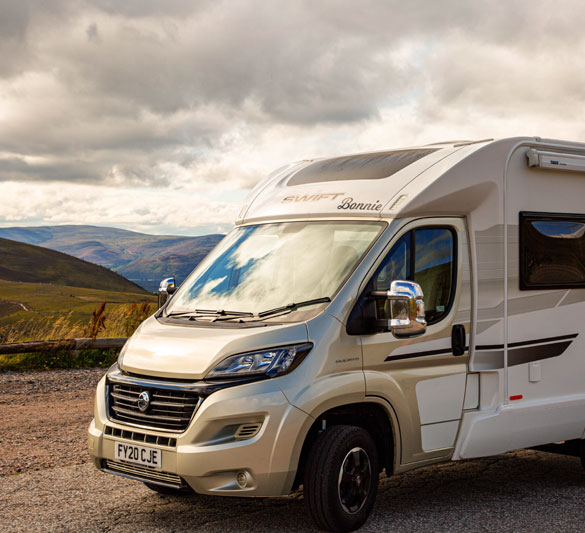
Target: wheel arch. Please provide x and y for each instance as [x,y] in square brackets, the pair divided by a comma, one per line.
[373,414]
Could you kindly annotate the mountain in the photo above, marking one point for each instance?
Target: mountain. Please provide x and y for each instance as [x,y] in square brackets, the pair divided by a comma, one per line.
[28,263]
[142,258]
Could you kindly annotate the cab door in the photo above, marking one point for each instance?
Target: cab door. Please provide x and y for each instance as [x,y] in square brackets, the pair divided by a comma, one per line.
[423,378]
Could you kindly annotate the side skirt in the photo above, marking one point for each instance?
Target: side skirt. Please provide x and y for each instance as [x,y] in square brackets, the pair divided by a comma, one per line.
[521,425]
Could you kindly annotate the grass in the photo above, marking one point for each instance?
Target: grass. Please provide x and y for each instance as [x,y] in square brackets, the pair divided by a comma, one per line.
[61,312]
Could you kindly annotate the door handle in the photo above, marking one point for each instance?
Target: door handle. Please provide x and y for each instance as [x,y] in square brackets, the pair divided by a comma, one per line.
[458,338]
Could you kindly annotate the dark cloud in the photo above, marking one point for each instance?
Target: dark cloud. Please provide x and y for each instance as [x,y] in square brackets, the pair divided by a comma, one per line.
[92,32]
[112,91]
[18,169]
[149,8]
[13,19]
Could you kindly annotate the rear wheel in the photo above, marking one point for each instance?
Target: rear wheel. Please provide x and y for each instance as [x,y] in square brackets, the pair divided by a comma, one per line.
[341,478]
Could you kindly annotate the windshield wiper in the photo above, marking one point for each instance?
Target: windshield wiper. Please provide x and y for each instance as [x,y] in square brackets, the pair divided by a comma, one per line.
[293,306]
[222,312]
[210,312]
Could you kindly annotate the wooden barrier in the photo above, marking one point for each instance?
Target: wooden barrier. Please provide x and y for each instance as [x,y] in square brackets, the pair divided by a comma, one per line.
[66,345]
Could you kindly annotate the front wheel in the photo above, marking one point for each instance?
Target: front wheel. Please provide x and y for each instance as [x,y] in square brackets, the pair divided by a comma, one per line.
[341,478]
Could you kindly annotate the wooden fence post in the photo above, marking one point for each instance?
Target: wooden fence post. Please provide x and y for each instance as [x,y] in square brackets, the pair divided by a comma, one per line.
[71,345]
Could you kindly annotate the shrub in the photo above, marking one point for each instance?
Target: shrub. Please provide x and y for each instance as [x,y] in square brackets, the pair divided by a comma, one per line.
[135,315]
[97,322]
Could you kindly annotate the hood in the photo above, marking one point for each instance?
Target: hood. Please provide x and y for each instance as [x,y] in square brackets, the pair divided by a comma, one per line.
[190,352]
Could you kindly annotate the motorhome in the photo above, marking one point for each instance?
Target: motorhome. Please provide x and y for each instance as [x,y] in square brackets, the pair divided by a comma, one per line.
[369,313]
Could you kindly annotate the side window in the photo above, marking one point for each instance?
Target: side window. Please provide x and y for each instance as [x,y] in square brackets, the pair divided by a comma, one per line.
[396,265]
[552,251]
[426,256]
[434,269]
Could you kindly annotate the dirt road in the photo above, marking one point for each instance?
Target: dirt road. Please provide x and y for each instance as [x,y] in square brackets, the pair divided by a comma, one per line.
[46,483]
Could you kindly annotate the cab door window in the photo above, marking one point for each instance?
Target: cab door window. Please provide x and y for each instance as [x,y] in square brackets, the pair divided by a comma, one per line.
[434,269]
[426,256]
[396,265]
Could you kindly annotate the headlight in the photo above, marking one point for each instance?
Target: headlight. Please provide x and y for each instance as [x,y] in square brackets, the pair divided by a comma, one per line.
[271,362]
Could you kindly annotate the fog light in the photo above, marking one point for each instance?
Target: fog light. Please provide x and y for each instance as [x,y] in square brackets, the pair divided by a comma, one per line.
[242,479]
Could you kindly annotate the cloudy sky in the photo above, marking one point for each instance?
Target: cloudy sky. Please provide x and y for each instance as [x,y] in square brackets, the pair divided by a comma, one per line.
[159,116]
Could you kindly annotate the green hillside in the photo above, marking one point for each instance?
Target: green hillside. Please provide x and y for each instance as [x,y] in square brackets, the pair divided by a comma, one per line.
[34,302]
[21,262]
[148,272]
[142,258]
[43,311]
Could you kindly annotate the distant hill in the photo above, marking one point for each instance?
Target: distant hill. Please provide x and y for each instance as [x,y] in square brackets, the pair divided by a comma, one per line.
[28,263]
[142,258]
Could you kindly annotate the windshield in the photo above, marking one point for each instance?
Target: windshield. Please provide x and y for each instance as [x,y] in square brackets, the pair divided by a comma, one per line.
[262,267]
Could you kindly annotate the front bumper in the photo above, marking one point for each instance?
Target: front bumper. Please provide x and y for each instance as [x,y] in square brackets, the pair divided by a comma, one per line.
[206,456]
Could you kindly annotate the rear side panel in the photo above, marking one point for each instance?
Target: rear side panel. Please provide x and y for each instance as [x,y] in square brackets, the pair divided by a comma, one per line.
[541,397]
[546,337]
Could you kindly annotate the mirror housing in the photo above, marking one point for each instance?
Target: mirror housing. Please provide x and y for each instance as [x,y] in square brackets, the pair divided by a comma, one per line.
[407,309]
[166,289]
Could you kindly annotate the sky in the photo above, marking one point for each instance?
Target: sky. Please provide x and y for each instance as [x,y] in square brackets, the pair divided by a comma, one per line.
[160,116]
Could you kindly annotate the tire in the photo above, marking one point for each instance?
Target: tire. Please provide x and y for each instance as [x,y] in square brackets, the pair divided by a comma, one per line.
[582,448]
[338,501]
[169,491]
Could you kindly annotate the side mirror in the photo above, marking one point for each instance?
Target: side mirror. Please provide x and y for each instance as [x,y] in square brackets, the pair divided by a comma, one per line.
[167,287]
[407,309]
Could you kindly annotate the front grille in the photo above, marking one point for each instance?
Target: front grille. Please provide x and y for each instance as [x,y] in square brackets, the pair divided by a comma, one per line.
[143,473]
[169,409]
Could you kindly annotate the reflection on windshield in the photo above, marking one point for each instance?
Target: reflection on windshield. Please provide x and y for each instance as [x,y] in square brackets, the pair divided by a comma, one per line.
[261,267]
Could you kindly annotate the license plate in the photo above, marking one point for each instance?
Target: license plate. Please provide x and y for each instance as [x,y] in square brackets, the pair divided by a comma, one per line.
[140,455]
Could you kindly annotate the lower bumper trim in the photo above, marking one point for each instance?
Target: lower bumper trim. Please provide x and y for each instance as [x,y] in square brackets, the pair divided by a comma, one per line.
[143,473]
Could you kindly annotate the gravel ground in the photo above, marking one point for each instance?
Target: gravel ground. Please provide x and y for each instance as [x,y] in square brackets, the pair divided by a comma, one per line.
[44,418]
[47,484]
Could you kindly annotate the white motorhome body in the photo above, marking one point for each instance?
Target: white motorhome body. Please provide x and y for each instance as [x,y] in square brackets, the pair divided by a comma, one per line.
[526,347]
[494,232]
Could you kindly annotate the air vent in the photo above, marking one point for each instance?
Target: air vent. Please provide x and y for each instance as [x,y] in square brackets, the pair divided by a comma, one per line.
[373,166]
[137,436]
[247,431]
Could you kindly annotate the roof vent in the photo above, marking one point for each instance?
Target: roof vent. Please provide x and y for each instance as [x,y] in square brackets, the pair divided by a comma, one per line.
[372,166]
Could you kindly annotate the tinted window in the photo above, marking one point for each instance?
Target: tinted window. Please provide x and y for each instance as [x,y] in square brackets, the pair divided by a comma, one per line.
[430,261]
[552,251]
[396,265]
[433,269]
